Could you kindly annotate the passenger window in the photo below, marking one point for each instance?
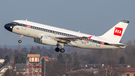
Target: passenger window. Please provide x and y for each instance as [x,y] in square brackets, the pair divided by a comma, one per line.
[99,42]
[44,29]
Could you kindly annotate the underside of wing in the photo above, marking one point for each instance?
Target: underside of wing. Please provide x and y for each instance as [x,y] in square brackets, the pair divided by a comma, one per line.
[67,39]
[70,38]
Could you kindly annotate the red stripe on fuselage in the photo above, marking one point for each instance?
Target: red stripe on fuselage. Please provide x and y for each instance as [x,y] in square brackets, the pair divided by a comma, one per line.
[102,43]
[89,37]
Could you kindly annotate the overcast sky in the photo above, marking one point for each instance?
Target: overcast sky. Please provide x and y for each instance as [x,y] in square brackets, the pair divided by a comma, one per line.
[93,17]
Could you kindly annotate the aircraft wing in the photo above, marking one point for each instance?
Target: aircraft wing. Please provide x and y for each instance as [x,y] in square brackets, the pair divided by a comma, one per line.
[67,39]
[71,38]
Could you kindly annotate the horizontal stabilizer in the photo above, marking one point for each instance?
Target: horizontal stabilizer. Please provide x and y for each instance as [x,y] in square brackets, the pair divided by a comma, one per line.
[116,44]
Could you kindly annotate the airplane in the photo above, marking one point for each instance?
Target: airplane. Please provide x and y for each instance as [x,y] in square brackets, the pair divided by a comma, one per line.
[50,35]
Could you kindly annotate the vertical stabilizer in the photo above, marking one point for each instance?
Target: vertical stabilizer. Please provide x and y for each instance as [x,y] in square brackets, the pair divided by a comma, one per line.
[115,33]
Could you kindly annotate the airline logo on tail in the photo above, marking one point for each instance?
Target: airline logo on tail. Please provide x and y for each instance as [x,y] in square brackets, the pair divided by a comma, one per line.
[118,31]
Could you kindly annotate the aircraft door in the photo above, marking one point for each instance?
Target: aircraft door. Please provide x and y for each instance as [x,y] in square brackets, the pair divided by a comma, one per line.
[24,27]
[98,44]
[54,33]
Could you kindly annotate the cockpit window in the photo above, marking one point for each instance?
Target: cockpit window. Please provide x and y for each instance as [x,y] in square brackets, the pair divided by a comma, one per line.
[15,23]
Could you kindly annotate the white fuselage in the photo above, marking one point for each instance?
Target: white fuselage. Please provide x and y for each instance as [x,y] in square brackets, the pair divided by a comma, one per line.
[36,30]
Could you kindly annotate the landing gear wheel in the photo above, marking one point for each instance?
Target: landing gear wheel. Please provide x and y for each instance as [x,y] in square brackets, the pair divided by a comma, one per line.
[57,49]
[19,41]
[62,50]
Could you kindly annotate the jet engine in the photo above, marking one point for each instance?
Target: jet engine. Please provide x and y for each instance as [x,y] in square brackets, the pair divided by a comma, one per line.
[46,40]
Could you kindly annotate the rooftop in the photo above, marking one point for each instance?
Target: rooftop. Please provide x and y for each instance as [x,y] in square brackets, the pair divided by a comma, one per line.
[20,67]
[94,69]
[2,60]
[33,55]
[46,57]
[129,69]
[88,70]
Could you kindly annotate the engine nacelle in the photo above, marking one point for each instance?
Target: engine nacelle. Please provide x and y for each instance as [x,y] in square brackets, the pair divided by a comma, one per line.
[46,40]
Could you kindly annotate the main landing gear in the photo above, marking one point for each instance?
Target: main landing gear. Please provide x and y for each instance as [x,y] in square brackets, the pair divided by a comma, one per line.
[20,41]
[62,50]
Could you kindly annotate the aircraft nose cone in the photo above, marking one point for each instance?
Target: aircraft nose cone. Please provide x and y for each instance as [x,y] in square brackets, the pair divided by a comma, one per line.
[8,27]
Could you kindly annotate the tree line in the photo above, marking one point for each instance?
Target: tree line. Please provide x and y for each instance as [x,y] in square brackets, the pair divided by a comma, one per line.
[71,61]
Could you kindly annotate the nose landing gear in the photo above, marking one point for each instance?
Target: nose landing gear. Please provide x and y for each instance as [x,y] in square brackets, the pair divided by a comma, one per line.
[20,41]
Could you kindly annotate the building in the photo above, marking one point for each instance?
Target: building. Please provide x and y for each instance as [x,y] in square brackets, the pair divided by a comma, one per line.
[86,72]
[1,61]
[4,69]
[47,58]
[20,68]
[128,71]
[33,65]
